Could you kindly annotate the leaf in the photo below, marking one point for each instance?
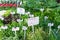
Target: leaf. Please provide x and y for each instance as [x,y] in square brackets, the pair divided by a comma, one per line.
[52,36]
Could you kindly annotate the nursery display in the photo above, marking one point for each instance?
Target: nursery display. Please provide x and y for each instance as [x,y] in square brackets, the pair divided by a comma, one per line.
[29,20]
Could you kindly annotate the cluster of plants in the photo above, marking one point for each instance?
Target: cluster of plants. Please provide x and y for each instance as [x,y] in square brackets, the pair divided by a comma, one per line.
[13,25]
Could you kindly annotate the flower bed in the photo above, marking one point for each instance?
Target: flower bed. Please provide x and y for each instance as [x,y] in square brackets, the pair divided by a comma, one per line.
[29,22]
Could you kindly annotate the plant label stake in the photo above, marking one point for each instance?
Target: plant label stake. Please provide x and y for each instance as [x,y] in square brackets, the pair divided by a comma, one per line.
[15,29]
[15,34]
[21,11]
[32,29]
[5,27]
[24,28]
[49,30]
[24,34]
[33,21]
[50,25]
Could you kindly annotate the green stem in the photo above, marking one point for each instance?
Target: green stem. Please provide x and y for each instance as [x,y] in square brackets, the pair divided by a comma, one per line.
[0,35]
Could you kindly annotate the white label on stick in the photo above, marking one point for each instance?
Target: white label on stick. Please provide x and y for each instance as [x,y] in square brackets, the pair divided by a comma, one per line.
[33,21]
[21,10]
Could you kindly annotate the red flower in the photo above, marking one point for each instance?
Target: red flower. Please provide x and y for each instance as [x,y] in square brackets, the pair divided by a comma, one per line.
[14,5]
[10,5]
[6,5]
[1,5]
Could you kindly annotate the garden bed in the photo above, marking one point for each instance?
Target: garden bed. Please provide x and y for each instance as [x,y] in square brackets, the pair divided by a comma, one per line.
[30,20]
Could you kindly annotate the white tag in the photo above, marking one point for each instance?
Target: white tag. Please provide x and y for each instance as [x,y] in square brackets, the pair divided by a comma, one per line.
[33,21]
[2,12]
[21,10]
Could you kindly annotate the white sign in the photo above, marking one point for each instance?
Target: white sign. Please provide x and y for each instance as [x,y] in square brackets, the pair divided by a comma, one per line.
[21,10]
[33,21]
[2,12]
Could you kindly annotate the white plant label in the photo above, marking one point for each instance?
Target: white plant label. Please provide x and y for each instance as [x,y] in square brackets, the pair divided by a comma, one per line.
[21,10]
[33,21]
[2,12]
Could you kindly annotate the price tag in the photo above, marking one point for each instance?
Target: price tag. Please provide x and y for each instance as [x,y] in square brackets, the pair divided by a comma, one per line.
[33,21]
[21,10]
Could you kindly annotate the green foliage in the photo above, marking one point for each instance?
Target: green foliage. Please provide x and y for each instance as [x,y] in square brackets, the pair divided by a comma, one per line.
[41,30]
[51,3]
[52,36]
[37,35]
[31,4]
